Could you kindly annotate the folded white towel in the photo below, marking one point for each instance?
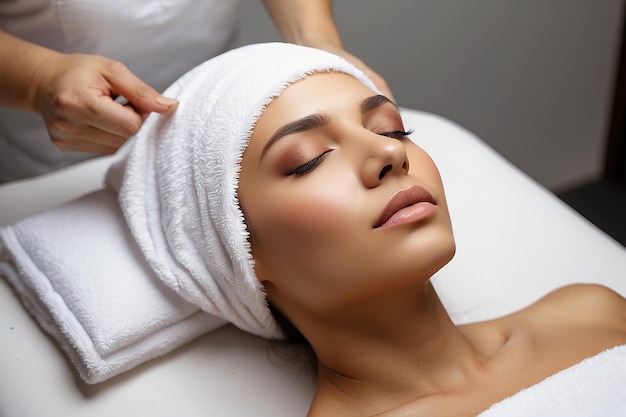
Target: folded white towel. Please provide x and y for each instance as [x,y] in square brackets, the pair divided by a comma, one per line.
[178,192]
[80,273]
[595,387]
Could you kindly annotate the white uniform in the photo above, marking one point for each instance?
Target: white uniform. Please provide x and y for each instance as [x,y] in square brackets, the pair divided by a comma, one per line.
[158,40]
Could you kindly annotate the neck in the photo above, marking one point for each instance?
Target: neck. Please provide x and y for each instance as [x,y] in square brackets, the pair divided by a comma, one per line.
[406,349]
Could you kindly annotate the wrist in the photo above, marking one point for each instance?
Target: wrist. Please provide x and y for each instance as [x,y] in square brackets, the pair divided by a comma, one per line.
[21,63]
[305,22]
[39,78]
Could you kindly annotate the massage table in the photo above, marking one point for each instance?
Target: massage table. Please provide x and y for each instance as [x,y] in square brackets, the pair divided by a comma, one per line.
[515,242]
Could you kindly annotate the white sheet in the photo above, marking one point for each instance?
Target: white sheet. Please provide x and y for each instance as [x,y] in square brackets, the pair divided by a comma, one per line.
[515,242]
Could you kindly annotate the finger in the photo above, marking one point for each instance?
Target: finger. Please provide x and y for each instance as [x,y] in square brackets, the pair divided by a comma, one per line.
[113,118]
[82,146]
[143,98]
[67,136]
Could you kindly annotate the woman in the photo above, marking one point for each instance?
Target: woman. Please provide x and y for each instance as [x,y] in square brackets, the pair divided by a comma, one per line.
[349,265]
[346,221]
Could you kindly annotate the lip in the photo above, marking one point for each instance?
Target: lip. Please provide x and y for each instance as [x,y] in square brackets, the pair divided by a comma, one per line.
[407,205]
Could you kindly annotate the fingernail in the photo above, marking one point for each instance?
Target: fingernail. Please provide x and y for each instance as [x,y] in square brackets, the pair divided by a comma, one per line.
[164,101]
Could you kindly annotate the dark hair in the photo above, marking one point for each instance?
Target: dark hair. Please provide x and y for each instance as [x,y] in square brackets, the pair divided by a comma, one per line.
[295,339]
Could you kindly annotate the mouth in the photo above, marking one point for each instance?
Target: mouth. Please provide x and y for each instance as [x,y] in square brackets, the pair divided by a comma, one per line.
[407,205]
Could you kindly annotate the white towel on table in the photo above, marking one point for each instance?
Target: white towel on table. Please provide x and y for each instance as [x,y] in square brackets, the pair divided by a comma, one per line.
[79,272]
[595,387]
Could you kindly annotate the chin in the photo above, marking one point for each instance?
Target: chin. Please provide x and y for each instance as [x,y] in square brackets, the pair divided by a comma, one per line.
[425,259]
[441,252]
[448,255]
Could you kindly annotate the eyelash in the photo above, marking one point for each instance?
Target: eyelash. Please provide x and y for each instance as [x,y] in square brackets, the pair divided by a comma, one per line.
[397,134]
[309,166]
[313,163]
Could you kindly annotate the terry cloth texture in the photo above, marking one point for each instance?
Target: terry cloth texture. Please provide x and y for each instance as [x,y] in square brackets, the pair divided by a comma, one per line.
[177,183]
[78,271]
[595,387]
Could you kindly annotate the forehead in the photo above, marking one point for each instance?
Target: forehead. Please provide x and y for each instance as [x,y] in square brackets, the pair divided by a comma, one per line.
[320,92]
[331,95]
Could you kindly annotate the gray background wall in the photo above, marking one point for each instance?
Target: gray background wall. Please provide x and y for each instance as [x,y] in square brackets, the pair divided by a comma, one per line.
[533,78]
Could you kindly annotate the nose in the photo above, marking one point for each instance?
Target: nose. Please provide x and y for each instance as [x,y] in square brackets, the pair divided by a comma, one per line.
[384,157]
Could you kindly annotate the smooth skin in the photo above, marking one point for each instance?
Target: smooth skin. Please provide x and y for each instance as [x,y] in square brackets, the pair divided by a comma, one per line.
[75,93]
[361,294]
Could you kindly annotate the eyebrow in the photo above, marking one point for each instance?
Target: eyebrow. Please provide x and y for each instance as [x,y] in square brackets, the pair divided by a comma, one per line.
[318,120]
[373,102]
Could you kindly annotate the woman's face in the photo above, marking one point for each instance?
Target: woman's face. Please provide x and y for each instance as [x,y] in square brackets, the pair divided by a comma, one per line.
[324,185]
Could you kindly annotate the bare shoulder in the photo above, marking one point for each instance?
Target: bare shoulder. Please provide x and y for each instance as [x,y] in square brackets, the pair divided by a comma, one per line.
[590,303]
[582,306]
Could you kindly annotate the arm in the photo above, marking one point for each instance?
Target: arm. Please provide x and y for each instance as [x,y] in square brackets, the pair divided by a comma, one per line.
[75,94]
[20,63]
[311,23]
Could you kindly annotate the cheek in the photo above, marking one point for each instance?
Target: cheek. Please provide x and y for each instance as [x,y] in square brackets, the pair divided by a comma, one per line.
[298,225]
[292,240]
[314,215]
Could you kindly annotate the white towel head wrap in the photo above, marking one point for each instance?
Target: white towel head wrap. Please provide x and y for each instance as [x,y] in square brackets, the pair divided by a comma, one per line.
[178,177]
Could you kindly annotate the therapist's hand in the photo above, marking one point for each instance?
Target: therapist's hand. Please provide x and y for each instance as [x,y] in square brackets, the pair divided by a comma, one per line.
[311,23]
[376,78]
[75,94]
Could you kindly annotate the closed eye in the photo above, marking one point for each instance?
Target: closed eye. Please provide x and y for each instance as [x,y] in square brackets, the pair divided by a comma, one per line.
[309,166]
[397,134]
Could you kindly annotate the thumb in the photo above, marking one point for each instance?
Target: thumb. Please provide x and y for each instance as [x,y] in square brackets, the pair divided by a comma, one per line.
[140,95]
